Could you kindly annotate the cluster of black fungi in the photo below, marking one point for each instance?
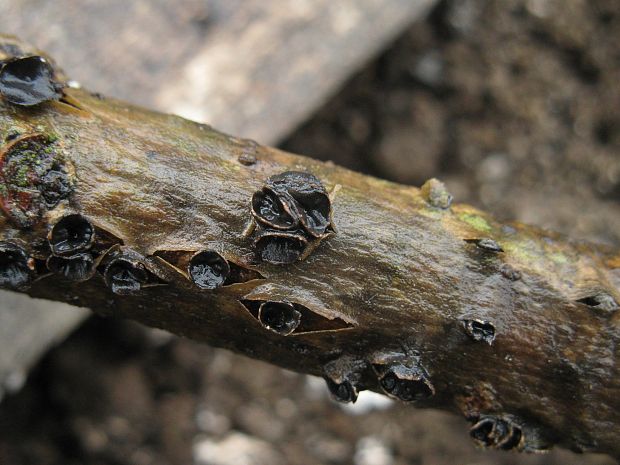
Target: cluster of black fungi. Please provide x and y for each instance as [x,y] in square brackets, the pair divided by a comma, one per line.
[28,81]
[404,379]
[76,250]
[292,213]
[75,255]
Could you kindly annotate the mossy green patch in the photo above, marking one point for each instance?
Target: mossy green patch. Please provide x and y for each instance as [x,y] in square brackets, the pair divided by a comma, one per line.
[522,251]
[475,221]
[559,258]
[52,137]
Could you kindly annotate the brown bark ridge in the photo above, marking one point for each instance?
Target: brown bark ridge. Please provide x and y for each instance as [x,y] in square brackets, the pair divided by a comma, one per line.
[370,284]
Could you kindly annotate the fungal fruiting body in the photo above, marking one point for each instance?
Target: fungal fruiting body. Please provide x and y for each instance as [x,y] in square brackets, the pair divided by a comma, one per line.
[73,233]
[402,376]
[497,433]
[125,275]
[16,267]
[28,81]
[292,212]
[78,267]
[280,317]
[208,269]
[343,377]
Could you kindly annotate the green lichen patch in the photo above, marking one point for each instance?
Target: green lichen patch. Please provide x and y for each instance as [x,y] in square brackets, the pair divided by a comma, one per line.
[34,176]
[475,221]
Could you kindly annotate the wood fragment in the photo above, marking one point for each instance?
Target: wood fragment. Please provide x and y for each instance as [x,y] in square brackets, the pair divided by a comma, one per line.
[389,290]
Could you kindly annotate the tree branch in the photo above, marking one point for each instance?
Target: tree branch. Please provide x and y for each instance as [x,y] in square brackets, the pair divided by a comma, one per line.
[383,286]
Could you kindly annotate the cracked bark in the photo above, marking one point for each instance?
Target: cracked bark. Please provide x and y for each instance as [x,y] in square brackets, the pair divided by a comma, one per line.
[437,304]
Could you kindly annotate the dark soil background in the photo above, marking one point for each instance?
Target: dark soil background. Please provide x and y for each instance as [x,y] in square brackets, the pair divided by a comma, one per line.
[515,104]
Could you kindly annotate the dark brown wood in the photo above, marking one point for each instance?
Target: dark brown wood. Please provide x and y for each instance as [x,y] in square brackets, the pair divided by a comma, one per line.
[515,327]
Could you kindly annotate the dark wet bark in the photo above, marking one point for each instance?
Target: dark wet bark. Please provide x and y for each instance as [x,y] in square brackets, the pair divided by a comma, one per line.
[434,303]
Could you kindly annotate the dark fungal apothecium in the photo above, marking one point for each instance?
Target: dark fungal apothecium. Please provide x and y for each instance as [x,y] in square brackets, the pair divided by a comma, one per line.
[280,317]
[17,269]
[496,433]
[292,212]
[273,211]
[125,274]
[343,376]
[77,247]
[71,234]
[405,383]
[28,81]
[208,269]
[402,376]
[79,267]
[343,391]
[301,320]
[280,248]
[480,330]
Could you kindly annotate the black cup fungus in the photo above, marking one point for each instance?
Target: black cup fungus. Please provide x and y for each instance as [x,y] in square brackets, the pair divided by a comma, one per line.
[280,317]
[28,81]
[16,267]
[72,234]
[208,269]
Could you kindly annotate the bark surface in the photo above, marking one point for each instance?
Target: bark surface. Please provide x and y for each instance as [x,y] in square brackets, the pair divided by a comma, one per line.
[440,305]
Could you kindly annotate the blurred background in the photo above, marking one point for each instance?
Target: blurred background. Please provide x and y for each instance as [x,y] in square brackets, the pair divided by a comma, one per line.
[513,103]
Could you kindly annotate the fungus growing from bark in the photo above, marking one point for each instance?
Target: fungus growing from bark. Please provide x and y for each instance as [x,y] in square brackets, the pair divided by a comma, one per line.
[310,321]
[405,383]
[125,275]
[208,269]
[280,317]
[28,81]
[16,267]
[280,248]
[343,376]
[71,234]
[292,209]
[342,392]
[496,433]
[480,330]
[273,210]
[309,197]
[79,267]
